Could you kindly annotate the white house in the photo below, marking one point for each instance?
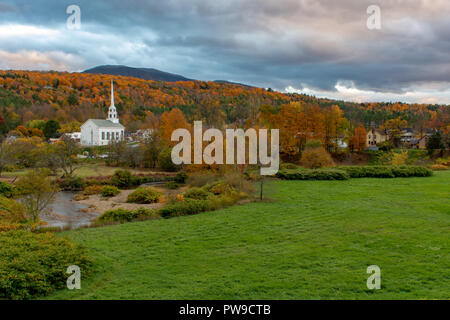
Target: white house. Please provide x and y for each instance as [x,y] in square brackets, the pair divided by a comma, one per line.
[99,132]
[74,135]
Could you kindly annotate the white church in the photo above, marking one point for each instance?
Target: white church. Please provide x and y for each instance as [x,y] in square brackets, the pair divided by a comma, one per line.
[99,132]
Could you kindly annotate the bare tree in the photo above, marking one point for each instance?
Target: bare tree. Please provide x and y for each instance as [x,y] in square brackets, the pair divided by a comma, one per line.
[63,154]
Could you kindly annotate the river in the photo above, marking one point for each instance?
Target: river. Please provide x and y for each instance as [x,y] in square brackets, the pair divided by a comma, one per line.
[68,213]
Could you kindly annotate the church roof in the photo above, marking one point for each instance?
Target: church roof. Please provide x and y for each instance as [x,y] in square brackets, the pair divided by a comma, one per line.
[106,123]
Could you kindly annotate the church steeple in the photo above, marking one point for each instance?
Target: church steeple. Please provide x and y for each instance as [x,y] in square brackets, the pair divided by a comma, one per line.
[112,112]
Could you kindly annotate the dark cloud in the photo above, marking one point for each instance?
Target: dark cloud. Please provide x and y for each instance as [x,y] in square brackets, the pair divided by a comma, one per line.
[299,43]
[5,7]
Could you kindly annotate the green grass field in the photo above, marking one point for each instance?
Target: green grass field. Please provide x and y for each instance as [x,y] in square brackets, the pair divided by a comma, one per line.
[314,241]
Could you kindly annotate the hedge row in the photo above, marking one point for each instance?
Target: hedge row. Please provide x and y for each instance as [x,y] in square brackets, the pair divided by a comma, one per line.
[386,171]
[312,174]
[344,173]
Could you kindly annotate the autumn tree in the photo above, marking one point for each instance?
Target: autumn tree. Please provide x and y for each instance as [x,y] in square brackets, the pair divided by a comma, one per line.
[358,141]
[69,127]
[394,128]
[333,120]
[18,151]
[72,100]
[8,154]
[171,121]
[315,156]
[36,192]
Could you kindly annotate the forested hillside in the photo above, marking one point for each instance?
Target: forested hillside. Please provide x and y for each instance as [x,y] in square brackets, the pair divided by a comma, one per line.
[67,97]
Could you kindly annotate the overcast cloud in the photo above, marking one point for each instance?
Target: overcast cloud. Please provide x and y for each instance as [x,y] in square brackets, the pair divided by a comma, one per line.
[320,47]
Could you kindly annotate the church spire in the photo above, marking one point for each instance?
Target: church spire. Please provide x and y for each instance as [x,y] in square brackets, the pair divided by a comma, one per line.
[112,112]
[112,93]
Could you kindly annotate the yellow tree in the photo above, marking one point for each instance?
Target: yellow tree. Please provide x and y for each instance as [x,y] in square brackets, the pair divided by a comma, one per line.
[394,128]
[333,119]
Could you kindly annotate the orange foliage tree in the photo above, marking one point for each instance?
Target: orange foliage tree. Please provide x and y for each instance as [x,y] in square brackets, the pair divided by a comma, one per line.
[358,140]
[171,121]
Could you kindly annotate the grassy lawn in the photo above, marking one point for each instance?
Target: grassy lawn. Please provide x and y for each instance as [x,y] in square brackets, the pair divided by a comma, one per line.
[93,169]
[314,241]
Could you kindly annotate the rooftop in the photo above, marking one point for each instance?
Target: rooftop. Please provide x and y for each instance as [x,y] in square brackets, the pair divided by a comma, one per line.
[106,123]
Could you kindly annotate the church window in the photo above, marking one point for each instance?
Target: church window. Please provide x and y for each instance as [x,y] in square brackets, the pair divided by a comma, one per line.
[103,136]
[107,136]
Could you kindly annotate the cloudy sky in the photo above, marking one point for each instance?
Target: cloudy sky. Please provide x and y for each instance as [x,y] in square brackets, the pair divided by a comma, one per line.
[320,47]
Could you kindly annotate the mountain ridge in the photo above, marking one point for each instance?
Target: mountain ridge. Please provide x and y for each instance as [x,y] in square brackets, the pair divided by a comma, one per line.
[147,74]
[142,73]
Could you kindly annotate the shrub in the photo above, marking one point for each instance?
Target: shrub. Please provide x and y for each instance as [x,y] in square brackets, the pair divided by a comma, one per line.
[10,226]
[33,264]
[13,215]
[220,187]
[186,207]
[199,179]
[313,174]
[110,191]
[146,180]
[438,167]
[316,158]
[6,189]
[144,195]
[93,189]
[122,179]
[383,158]
[399,158]
[172,185]
[340,155]
[165,161]
[72,184]
[181,177]
[197,193]
[386,146]
[136,180]
[237,181]
[124,215]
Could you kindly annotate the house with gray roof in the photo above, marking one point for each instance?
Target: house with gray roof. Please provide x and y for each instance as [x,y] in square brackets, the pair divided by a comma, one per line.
[100,132]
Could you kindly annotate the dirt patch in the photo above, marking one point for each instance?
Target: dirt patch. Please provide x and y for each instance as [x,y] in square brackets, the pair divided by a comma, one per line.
[96,203]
